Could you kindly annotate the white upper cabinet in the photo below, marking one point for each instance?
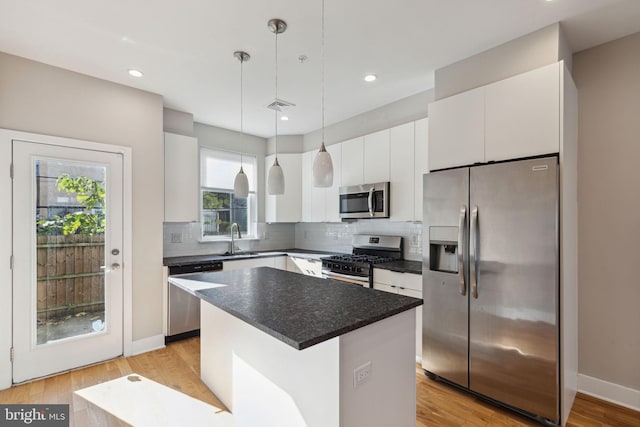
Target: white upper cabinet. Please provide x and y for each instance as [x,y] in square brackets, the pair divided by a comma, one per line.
[318,213]
[456,130]
[181,186]
[352,167]
[401,164]
[285,207]
[389,155]
[332,194]
[523,115]
[510,119]
[421,164]
[376,157]
[320,204]
[313,198]
[307,183]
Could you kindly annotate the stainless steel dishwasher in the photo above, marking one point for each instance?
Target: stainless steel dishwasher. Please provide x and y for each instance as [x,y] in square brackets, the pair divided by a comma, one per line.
[183,318]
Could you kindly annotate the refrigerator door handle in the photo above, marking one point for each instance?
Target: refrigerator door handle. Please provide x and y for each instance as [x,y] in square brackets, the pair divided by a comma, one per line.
[475,246]
[462,225]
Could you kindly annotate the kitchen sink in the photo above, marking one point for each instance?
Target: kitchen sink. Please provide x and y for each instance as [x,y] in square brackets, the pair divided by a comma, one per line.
[239,254]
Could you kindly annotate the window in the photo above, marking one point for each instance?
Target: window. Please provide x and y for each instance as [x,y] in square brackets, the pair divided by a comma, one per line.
[219,208]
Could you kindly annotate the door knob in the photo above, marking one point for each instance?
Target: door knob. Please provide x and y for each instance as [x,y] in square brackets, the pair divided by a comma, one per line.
[115,266]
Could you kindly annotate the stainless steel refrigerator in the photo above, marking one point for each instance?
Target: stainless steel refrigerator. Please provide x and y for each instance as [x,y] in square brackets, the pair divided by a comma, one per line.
[491,282]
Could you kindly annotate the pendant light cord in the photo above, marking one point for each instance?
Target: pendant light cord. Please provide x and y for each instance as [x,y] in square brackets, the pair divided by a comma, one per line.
[241,105]
[276,100]
[322,58]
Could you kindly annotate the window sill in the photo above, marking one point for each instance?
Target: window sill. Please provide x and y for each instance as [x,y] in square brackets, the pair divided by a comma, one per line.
[226,239]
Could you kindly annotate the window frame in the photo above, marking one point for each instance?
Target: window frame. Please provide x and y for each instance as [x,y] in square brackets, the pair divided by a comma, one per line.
[252,200]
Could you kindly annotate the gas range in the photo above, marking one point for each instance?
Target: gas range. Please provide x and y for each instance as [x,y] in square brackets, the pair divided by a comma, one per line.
[368,250]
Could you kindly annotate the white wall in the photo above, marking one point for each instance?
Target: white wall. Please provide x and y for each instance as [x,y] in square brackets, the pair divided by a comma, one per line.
[608,82]
[39,98]
[405,110]
[543,47]
[286,144]
[229,140]
[178,122]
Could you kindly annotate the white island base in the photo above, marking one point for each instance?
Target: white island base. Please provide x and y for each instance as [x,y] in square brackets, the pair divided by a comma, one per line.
[265,382]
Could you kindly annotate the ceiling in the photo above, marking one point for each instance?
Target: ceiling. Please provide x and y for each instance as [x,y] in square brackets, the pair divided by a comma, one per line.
[185,48]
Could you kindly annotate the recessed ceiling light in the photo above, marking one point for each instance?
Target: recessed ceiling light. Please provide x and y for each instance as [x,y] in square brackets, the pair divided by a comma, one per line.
[284,118]
[370,77]
[135,73]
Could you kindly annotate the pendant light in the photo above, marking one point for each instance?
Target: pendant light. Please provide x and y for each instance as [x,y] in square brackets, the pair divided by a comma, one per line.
[275,180]
[241,183]
[322,164]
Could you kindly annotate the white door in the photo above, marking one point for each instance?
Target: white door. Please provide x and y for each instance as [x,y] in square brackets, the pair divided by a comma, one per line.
[67,251]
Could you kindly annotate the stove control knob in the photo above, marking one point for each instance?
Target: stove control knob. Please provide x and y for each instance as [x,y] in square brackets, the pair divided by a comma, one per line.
[359,269]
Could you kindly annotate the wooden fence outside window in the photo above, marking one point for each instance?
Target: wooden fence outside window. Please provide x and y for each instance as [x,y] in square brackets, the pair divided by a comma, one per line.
[70,275]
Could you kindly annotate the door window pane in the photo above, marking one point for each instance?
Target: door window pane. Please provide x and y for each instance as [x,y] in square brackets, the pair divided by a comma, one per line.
[70,238]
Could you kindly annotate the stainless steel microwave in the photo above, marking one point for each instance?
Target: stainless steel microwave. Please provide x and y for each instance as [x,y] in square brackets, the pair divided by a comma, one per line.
[365,201]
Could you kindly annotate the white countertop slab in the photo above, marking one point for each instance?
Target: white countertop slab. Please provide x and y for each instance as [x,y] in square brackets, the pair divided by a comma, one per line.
[183,282]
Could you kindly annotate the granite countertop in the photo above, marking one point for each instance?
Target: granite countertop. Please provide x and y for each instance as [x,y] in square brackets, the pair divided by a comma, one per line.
[195,259]
[402,266]
[298,310]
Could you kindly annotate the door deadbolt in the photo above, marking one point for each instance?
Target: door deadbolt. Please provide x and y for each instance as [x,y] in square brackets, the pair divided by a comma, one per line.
[115,251]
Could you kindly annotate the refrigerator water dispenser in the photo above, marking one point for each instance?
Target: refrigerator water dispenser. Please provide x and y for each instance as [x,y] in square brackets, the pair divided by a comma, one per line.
[443,249]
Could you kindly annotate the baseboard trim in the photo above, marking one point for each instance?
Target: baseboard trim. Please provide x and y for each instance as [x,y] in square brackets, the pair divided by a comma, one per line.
[144,345]
[610,392]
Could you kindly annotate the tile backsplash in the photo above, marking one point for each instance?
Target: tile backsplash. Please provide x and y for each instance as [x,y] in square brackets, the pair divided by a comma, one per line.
[182,238]
[337,237]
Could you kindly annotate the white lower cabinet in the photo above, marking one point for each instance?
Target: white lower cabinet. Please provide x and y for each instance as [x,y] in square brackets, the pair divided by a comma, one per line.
[404,284]
[280,262]
[237,264]
[304,265]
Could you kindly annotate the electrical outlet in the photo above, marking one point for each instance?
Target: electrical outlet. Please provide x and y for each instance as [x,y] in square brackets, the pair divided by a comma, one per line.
[176,237]
[361,374]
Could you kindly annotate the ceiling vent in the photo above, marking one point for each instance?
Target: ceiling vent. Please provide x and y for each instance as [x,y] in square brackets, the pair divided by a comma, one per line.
[279,105]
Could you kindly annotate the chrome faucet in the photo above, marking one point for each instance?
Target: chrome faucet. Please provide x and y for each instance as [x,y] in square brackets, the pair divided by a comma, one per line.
[233,245]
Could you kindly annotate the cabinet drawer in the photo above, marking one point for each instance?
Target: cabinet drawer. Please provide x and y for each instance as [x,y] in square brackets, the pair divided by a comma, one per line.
[400,280]
[384,287]
[410,293]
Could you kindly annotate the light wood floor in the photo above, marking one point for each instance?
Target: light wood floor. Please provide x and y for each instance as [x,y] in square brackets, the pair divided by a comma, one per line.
[178,366]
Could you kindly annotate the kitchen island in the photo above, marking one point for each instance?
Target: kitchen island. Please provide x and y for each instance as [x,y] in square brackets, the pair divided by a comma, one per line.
[280,348]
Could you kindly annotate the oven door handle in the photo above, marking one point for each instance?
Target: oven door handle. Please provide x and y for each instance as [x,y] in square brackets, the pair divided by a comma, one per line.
[345,278]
